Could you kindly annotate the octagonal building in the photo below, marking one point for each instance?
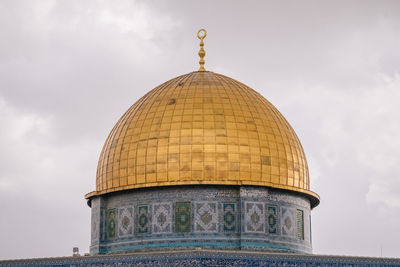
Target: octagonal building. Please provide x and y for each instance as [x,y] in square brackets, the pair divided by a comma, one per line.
[202,161]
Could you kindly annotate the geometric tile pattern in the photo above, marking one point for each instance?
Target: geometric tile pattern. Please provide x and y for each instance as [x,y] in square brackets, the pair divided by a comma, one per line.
[254,217]
[111,223]
[272,219]
[182,217]
[143,220]
[206,217]
[162,218]
[125,221]
[288,222]
[300,225]
[229,217]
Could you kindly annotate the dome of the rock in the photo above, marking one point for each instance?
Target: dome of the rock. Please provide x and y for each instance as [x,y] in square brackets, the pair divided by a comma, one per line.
[202,161]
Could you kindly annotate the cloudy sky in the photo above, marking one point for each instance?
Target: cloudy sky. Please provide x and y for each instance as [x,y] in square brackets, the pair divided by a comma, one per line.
[69,69]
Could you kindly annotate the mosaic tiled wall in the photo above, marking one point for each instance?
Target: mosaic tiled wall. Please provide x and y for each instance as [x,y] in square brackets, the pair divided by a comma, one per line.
[219,217]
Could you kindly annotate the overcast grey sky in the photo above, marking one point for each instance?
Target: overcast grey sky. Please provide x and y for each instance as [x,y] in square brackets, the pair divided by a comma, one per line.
[69,69]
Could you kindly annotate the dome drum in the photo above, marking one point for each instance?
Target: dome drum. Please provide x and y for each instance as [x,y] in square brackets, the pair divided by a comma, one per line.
[209,217]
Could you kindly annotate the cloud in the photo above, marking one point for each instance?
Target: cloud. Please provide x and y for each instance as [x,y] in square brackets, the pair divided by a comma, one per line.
[20,142]
[380,148]
[42,183]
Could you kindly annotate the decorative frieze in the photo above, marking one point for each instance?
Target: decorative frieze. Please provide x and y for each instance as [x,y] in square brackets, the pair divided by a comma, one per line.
[206,217]
[162,218]
[182,217]
[142,220]
[125,219]
[229,214]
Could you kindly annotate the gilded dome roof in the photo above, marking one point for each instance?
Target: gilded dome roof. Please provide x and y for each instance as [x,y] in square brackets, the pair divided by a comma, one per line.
[202,128]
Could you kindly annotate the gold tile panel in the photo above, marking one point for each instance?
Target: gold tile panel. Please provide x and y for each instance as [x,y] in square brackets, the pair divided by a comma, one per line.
[202,128]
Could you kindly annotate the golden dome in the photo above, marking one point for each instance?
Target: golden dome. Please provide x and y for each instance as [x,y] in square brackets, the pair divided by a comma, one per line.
[202,128]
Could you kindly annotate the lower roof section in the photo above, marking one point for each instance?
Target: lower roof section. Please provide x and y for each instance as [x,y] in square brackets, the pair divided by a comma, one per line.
[206,258]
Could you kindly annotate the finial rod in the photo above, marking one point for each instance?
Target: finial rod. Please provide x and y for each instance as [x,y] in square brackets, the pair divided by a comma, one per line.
[201,34]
